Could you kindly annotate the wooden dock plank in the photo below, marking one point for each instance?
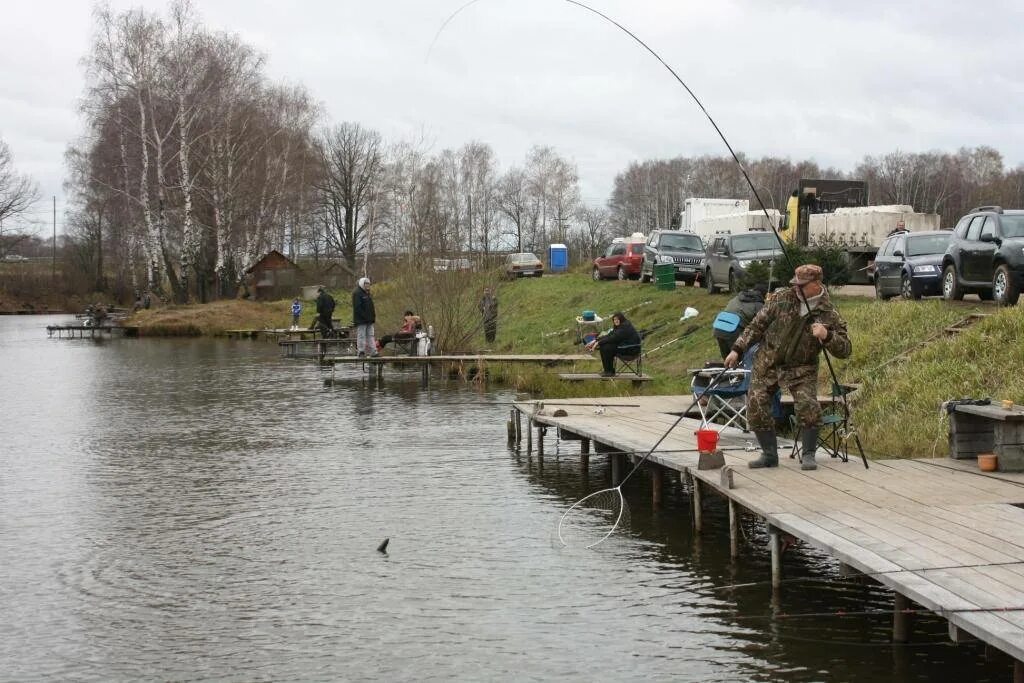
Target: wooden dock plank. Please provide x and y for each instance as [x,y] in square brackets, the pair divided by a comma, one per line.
[940,534]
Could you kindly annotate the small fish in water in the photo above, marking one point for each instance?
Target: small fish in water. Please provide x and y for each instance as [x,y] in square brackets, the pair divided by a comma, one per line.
[383,547]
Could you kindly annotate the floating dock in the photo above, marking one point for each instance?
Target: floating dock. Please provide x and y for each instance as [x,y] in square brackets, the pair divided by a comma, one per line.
[462,363]
[937,532]
[83,331]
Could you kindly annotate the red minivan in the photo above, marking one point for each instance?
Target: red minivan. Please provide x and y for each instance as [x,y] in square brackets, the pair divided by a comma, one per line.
[621,260]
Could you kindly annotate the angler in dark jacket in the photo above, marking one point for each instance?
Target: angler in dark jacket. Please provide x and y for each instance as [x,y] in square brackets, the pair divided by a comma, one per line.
[622,334]
[746,305]
[791,338]
[363,317]
[324,310]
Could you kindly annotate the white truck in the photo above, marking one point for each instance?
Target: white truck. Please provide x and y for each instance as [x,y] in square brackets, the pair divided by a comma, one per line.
[860,231]
[710,217]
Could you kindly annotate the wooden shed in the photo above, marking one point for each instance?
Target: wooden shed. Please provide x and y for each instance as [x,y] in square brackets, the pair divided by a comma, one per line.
[273,276]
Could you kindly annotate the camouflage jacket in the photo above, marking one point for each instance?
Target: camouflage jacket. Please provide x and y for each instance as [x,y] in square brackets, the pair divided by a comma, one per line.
[785,335]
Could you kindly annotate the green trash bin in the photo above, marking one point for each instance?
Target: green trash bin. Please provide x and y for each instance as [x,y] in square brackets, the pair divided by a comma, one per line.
[665,276]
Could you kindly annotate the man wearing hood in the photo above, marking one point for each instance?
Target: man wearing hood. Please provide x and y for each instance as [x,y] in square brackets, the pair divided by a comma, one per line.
[363,317]
[792,329]
[746,305]
[324,311]
[622,334]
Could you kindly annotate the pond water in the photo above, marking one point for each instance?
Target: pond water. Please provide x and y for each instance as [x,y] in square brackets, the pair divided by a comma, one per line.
[207,510]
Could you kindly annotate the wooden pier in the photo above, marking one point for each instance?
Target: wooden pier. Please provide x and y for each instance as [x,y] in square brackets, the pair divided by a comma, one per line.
[316,348]
[83,331]
[937,532]
[462,363]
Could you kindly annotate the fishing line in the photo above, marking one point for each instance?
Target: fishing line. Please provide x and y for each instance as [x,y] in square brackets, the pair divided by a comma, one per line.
[732,152]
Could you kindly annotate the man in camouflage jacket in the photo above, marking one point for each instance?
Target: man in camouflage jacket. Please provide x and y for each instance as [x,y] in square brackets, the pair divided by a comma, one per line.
[791,338]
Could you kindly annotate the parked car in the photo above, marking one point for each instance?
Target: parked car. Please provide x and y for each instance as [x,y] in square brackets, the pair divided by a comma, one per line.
[15,258]
[986,256]
[682,248]
[729,256]
[524,264]
[909,264]
[621,259]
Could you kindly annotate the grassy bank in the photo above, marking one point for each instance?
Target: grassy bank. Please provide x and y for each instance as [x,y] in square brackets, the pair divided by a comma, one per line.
[896,410]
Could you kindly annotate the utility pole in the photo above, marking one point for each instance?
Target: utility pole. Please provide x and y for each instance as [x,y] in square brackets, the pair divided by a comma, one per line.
[53,266]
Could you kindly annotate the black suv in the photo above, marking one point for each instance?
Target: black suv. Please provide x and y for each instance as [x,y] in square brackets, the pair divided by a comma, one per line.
[986,256]
[910,264]
[684,249]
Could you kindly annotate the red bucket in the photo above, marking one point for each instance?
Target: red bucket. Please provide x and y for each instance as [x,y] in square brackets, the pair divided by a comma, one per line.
[707,440]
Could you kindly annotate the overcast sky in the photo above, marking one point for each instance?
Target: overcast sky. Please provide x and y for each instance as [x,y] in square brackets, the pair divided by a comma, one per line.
[826,80]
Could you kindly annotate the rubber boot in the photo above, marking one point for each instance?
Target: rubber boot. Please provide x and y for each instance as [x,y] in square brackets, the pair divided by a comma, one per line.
[769,450]
[808,444]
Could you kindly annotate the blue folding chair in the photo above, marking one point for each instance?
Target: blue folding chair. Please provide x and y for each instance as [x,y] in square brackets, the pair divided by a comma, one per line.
[725,398]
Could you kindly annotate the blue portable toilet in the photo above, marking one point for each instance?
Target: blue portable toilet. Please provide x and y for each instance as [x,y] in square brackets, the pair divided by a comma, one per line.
[558,258]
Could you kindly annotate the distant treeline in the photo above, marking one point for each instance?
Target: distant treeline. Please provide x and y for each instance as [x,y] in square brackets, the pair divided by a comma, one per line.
[193,164]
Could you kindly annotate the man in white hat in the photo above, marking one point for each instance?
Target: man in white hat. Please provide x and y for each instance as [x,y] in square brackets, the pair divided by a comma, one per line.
[363,317]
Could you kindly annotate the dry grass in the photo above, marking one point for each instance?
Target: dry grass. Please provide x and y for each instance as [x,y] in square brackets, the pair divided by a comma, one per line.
[215,318]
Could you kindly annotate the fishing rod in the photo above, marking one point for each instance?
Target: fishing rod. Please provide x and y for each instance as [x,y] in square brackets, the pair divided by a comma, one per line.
[753,189]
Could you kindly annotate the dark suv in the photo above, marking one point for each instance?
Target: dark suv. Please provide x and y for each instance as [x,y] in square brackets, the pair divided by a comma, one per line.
[909,264]
[986,256]
[730,255]
[684,249]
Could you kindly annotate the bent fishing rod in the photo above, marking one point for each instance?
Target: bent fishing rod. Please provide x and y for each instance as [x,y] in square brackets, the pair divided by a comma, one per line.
[746,177]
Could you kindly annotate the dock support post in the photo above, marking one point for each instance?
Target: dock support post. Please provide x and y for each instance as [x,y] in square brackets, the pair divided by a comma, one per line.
[775,547]
[380,371]
[900,619]
[519,426]
[529,435]
[540,439]
[698,508]
[734,530]
[585,454]
[616,460]
[1018,671]
[657,484]
[425,380]
[510,427]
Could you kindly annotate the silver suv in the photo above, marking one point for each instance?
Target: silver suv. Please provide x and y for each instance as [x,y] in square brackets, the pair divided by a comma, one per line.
[684,249]
[730,255]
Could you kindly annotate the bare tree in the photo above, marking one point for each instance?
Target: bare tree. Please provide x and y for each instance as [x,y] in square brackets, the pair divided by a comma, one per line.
[351,160]
[18,193]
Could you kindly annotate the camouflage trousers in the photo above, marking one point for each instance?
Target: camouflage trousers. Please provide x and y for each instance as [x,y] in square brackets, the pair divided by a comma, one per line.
[802,383]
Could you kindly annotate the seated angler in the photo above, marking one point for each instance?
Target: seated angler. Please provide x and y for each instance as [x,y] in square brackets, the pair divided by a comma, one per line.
[411,323]
[622,334]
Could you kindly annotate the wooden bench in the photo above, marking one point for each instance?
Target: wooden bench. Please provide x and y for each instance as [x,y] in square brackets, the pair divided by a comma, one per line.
[988,429]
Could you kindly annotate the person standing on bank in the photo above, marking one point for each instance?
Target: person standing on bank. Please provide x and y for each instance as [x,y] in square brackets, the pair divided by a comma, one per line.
[363,317]
[324,310]
[489,312]
[746,305]
[792,329]
[296,312]
[622,334]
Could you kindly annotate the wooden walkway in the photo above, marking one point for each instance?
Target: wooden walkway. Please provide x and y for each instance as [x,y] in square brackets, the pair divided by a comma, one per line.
[465,363]
[938,532]
[81,331]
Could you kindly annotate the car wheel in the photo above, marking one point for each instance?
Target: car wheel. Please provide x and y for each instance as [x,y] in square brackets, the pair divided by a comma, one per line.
[596,274]
[907,288]
[951,289]
[1005,289]
[620,274]
[734,283]
[709,282]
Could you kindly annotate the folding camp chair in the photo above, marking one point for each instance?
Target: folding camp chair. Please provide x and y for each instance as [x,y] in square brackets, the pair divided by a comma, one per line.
[630,358]
[725,398]
[833,433]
